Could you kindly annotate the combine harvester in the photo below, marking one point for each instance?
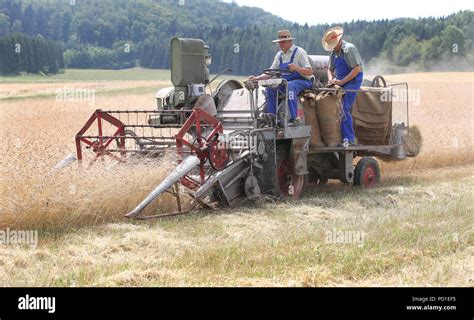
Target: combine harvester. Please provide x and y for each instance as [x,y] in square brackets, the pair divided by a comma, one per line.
[228,150]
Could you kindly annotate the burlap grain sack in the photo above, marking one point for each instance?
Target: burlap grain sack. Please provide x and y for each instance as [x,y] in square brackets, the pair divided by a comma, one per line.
[372,113]
[369,136]
[329,110]
[311,118]
[372,109]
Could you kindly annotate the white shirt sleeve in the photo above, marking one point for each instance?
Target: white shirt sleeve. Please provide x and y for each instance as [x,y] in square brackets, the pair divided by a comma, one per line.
[302,59]
[276,62]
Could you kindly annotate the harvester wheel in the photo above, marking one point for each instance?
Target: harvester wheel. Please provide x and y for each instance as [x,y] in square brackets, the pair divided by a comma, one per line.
[289,185]
[367,173]
[218,155]
[205,129]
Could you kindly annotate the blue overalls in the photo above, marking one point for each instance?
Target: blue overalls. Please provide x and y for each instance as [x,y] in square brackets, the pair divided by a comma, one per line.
[342,70]
[296,84]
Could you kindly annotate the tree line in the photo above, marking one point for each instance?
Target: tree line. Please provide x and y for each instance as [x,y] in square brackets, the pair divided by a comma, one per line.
[22,53]
[116,34]
[422,43]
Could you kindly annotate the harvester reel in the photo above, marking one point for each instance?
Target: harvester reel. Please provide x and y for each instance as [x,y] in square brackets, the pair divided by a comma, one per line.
[218,155]
[100,144]
[206,148]
[199,149]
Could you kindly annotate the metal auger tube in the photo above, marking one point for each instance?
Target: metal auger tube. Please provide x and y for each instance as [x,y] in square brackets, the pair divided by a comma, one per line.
[63,163]
[184,168]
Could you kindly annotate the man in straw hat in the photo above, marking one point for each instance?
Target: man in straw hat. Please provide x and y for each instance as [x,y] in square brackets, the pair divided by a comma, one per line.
[294,59]
[345,64]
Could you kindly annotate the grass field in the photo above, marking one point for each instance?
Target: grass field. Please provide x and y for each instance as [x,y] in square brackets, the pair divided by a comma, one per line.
[422,236]
[101,82]
[72,75]
[415,229]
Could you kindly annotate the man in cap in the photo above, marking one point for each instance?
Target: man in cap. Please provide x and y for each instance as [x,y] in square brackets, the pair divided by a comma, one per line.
[294,59]
[345,70]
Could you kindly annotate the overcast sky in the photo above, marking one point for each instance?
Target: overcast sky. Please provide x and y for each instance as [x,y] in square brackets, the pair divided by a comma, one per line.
[316,12]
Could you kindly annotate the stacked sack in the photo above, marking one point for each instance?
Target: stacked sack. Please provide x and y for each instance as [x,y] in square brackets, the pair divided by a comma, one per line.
[311,118]
[323,112]
[372,117]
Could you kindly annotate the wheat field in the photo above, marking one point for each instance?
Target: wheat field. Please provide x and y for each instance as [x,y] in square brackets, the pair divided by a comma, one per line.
[86,240]
[37,133]
[445,117]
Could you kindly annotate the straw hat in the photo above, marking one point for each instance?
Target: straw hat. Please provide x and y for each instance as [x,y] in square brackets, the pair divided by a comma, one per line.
[283,35]
[332,37]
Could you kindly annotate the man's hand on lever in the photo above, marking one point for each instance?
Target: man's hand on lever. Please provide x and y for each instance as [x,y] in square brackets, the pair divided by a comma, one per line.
[251,83]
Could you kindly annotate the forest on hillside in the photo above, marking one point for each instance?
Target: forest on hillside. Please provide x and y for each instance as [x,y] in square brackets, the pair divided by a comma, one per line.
[118,34]
[23,53]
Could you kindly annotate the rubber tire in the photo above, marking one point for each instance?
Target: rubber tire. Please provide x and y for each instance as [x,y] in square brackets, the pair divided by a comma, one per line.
[367,166]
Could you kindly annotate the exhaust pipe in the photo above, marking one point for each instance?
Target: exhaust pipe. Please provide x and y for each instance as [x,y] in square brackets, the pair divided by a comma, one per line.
[184,168]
